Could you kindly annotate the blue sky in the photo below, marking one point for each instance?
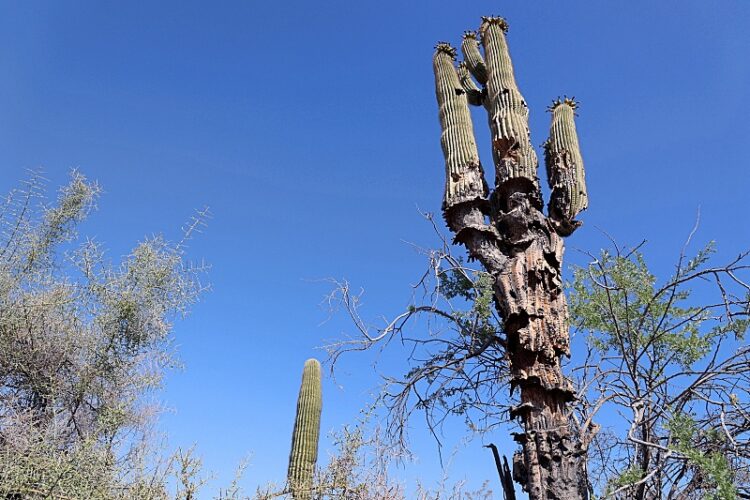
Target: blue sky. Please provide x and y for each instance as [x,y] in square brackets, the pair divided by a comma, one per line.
[310,129]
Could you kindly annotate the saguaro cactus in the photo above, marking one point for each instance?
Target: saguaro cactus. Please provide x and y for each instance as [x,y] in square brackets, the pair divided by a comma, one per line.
[304,454]
[518,245]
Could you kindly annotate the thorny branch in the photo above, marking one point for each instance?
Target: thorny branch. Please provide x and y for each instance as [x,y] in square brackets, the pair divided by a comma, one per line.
[456,347]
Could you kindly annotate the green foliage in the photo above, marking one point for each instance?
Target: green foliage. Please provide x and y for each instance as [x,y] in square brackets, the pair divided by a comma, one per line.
[82,343]
[476,288]
[671,353]
[617,301]
[713,464]
[628,477]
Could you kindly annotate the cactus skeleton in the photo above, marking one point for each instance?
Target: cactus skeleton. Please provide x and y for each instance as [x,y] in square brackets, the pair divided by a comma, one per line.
[304,454]
[518,245]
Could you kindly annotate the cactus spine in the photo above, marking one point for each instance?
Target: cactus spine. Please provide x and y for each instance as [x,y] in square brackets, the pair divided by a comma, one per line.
[304,454]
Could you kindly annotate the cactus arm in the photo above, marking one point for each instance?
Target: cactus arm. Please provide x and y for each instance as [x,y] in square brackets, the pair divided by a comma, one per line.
[514,156]
[564,165]
[464,201]
[472,56]
[474,94]
[464,177]
[304,454]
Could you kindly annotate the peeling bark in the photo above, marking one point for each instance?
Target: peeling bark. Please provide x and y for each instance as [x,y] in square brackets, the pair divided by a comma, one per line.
[519,246]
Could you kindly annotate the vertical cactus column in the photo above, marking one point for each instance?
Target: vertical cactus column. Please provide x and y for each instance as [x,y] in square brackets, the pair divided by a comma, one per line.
[304,454]
[512,152]
[518,245]
[562,157]
[464,177]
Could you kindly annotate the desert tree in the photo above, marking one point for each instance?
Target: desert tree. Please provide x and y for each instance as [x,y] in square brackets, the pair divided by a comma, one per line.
[669,365]
[83,344]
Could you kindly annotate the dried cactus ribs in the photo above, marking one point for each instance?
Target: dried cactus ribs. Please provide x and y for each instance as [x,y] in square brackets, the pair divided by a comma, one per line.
[517,244]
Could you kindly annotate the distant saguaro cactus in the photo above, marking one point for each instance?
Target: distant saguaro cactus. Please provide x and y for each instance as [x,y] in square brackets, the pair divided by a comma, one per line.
[518,245]
[304,454]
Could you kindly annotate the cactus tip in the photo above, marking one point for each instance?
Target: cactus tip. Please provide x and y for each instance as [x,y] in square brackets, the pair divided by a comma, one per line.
[447,48]
[565,100]
[494,20]
[470,34]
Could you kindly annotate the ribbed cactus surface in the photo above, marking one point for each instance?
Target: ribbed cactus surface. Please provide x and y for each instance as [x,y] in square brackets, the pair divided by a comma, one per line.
[564,164]
[464,180]
[512,151]
[473,92]
[473,58]
[304,454]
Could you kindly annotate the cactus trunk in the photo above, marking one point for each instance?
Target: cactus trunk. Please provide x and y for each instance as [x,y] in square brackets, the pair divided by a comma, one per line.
[304,454]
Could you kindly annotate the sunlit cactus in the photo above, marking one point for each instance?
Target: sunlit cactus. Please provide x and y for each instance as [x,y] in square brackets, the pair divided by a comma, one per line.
[565,173]
[464,179]
[473,93]
[304,454]
[513,154]
[473,58]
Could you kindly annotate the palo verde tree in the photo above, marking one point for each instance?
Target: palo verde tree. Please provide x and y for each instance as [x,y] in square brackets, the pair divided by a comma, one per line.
[82,344]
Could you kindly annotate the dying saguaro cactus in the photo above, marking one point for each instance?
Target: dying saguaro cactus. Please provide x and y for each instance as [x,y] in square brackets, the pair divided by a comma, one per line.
[518,245]
[304,454]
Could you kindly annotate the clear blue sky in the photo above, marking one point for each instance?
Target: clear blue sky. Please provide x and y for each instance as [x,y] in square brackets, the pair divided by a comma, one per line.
[310,129]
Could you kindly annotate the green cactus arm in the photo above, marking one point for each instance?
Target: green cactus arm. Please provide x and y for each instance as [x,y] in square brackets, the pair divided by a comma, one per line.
[514,156]
[564,165]
[473,92]
[304,454]
[472,56]
[464,177]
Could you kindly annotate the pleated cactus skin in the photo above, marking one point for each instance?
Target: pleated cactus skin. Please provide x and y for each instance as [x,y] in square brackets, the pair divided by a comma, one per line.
[513,154]
[472,56]
[464,175]
[473,93]
[564,165]
[304,454]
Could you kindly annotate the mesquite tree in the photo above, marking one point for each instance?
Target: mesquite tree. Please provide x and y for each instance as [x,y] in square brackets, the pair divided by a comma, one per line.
[517,244]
